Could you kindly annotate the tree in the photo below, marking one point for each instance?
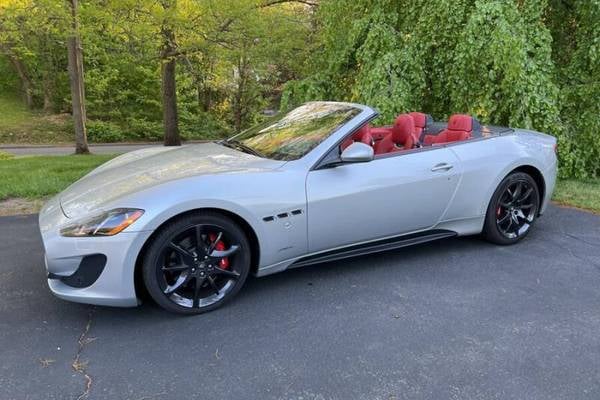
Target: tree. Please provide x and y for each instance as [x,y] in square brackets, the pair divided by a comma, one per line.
[12,40]
[75,56]
[32,40]
[169,85]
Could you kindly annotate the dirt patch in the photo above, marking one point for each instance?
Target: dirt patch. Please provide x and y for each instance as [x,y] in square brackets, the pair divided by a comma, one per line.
[57,118]
[20,206]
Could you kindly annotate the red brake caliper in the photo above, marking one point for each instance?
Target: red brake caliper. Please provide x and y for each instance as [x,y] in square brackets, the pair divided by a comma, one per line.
[220,246]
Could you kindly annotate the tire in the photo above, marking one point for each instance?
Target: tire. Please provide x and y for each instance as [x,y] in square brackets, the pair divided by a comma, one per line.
[196,263]
[513,209]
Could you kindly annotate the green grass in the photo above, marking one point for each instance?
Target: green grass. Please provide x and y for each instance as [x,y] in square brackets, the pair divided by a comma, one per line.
[582,194]
[18,125]
[42,176]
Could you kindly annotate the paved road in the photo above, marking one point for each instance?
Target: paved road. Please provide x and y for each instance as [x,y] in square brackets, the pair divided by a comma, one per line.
[458,319]
[65,150]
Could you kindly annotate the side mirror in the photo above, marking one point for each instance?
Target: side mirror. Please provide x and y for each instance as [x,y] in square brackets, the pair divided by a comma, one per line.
[357,152]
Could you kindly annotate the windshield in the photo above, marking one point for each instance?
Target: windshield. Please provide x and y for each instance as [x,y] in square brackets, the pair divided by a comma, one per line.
[289,136]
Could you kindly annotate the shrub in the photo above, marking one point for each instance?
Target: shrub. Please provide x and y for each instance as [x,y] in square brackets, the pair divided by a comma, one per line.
[104,132]
[143,129]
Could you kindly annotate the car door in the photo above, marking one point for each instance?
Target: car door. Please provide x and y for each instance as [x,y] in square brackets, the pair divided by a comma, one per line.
[390,195]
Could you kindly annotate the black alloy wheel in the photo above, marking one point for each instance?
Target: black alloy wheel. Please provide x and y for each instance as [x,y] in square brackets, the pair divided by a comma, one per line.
[197,263]
[513,209]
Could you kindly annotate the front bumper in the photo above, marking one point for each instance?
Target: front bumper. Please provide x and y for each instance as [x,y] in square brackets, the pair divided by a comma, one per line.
[70,257]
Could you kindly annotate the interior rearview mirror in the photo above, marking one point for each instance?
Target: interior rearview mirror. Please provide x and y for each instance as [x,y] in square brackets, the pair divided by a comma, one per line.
[357,152]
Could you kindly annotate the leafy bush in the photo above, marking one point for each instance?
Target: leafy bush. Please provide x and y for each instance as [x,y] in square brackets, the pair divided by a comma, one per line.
[202,126]
[104,132]
[142,129]
[527,64]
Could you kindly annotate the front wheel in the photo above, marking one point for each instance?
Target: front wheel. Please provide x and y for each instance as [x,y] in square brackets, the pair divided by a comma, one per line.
[512,210]
[196,263]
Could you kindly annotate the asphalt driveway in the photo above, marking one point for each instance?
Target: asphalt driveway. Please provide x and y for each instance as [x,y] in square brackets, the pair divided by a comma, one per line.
[457,319]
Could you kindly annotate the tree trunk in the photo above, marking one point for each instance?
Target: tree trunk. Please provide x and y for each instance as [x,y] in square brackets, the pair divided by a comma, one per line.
[75,58]
[48,95]
[26,86]
[169,90]
[239,110]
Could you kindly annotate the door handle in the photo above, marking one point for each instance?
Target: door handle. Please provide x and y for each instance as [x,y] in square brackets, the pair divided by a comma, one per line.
[442,167]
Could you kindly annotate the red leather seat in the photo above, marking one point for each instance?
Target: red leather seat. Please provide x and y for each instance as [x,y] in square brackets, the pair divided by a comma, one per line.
[363,135]
[421,122]
[379,133]
[460,127]
[402,136]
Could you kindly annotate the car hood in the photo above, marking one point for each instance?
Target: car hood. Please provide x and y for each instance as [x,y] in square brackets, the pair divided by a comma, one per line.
[139,170]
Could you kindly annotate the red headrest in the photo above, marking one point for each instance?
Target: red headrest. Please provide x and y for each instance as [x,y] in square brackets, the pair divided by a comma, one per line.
[460,122]
[420,119]
[402,130]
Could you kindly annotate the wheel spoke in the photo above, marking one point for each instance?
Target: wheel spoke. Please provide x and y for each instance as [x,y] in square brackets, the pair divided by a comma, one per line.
[224,253]
[180,267]
[231,274]
[515,220]
[526,206]
[510,222]
[517,193]
[181,250]
[526,195]
[503,219]
[181,280]
[200,245]
[212,283]
[196,299]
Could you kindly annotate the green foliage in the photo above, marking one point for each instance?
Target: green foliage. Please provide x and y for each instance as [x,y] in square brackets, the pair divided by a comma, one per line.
[510,79]
[232,60]
[104,132]
[9,83]
[527,64]
[580,79]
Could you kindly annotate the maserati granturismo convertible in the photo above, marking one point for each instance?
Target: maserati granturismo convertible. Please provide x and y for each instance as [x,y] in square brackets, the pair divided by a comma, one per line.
[187,224]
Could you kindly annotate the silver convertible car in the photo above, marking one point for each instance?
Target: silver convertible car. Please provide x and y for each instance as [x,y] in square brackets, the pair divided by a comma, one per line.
[188,224]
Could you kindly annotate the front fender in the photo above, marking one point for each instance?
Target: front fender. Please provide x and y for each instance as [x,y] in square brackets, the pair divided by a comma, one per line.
[251,197]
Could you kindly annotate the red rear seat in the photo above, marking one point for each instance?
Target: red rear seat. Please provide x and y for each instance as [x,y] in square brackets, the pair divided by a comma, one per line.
[460,127]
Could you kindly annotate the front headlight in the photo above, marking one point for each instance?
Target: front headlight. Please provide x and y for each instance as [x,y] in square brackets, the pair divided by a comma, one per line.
[106,224]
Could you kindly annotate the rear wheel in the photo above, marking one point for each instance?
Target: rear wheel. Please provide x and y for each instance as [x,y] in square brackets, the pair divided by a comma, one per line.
[196,263]
[513,209]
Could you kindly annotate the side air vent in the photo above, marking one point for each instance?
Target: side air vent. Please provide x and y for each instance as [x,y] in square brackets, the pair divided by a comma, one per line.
[271,218]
